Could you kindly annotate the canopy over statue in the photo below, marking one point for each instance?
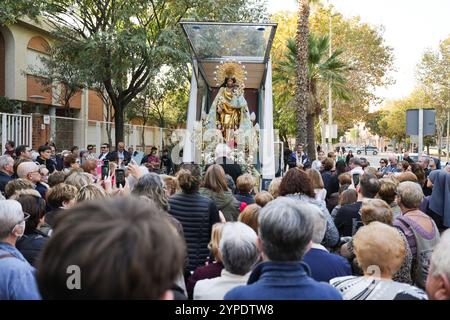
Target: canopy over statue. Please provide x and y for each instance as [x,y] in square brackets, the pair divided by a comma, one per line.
[231,94]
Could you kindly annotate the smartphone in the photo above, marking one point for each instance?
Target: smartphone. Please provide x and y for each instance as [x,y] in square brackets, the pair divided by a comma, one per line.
[356,179]
[105,171]
[120,178]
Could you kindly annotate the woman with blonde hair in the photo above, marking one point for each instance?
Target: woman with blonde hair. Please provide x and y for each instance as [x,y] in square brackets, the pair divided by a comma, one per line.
[249,216]
[213,266]
[91,192]
[318,185]
[274,187]
[377,210]
[380,251]
[215,187]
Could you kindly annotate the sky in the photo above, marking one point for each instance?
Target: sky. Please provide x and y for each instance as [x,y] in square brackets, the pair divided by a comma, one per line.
[410,27]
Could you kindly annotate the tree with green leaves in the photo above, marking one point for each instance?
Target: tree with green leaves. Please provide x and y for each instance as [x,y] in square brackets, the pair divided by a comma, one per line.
[12,10]
[122,45]
[60,76]
[322,70]
[433,72]
[364,50]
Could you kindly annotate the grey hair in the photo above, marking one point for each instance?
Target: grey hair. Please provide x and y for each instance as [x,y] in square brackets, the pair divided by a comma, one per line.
[356,161]
[90,192]
[5,160]
[78,179]
[440,260]
[285,228]
[10,215]
[320,223]
[132,179]
[410,193]
[152,186]
[238,248]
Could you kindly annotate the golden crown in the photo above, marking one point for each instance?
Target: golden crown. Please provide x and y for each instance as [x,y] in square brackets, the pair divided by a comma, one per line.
[230,69]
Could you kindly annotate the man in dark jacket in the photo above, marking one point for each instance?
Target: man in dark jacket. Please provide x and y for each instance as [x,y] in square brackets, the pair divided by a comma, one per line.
[57,160]
[6,171]
[282,275]
[299,159]
[121,156]
[223,159]
[45,153]
[196,213]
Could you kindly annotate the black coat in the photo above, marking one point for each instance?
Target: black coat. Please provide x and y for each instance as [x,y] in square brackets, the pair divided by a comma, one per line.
[231,168]
[4,179]
[30,245]
[197,214]
[113,156]
[47,162]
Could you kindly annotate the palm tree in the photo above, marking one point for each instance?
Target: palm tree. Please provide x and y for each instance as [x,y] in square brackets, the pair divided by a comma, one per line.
[301,94]
[321,69]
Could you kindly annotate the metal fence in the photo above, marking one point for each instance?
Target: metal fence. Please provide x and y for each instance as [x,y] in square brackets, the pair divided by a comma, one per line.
[36,129]
[17,128]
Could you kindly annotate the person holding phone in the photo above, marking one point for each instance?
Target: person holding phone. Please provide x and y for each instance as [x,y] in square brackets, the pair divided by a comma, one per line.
[348,218]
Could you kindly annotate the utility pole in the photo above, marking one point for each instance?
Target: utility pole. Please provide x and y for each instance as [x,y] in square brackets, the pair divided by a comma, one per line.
[448,130]
[330,101]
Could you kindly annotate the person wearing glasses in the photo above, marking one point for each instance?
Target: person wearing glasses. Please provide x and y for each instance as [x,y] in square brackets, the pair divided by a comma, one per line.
[32,172]
[17,280]
[90,153]
[383,165]
[57,160]
[45,153]
[104,152]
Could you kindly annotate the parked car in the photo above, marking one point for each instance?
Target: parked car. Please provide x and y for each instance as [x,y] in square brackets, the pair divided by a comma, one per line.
[367,150]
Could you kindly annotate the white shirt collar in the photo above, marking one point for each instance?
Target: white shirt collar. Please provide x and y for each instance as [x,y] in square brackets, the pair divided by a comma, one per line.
[318,246]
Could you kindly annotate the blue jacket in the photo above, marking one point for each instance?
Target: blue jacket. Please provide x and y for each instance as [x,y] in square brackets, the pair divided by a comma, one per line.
[17,276]
[326,266]
[293,160]
[283,281]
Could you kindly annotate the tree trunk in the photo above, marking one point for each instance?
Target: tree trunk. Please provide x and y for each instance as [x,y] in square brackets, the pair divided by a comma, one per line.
[310,124]
[143,137]
[119,123]
[301,95]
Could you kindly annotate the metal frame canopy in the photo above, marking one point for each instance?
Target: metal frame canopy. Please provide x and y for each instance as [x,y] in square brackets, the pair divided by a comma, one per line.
[248,43]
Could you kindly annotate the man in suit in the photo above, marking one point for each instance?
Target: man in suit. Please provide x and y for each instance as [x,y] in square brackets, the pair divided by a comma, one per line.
[104,152]
[229,166]
[121,156]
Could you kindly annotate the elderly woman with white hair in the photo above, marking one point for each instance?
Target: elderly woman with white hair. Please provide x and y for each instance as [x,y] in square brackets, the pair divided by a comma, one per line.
[324,265]
[438,281]
[380,252]
[239,253]
[419,229]
[17,281]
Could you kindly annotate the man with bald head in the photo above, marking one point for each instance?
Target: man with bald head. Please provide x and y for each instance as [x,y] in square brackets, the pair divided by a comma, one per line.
[31,172]
[121,156]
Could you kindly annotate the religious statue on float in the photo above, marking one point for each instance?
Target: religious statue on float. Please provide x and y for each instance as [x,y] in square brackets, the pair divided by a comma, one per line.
[229,111]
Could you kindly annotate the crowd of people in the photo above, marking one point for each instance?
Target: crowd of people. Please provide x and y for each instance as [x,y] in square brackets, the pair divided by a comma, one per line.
[329,229]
